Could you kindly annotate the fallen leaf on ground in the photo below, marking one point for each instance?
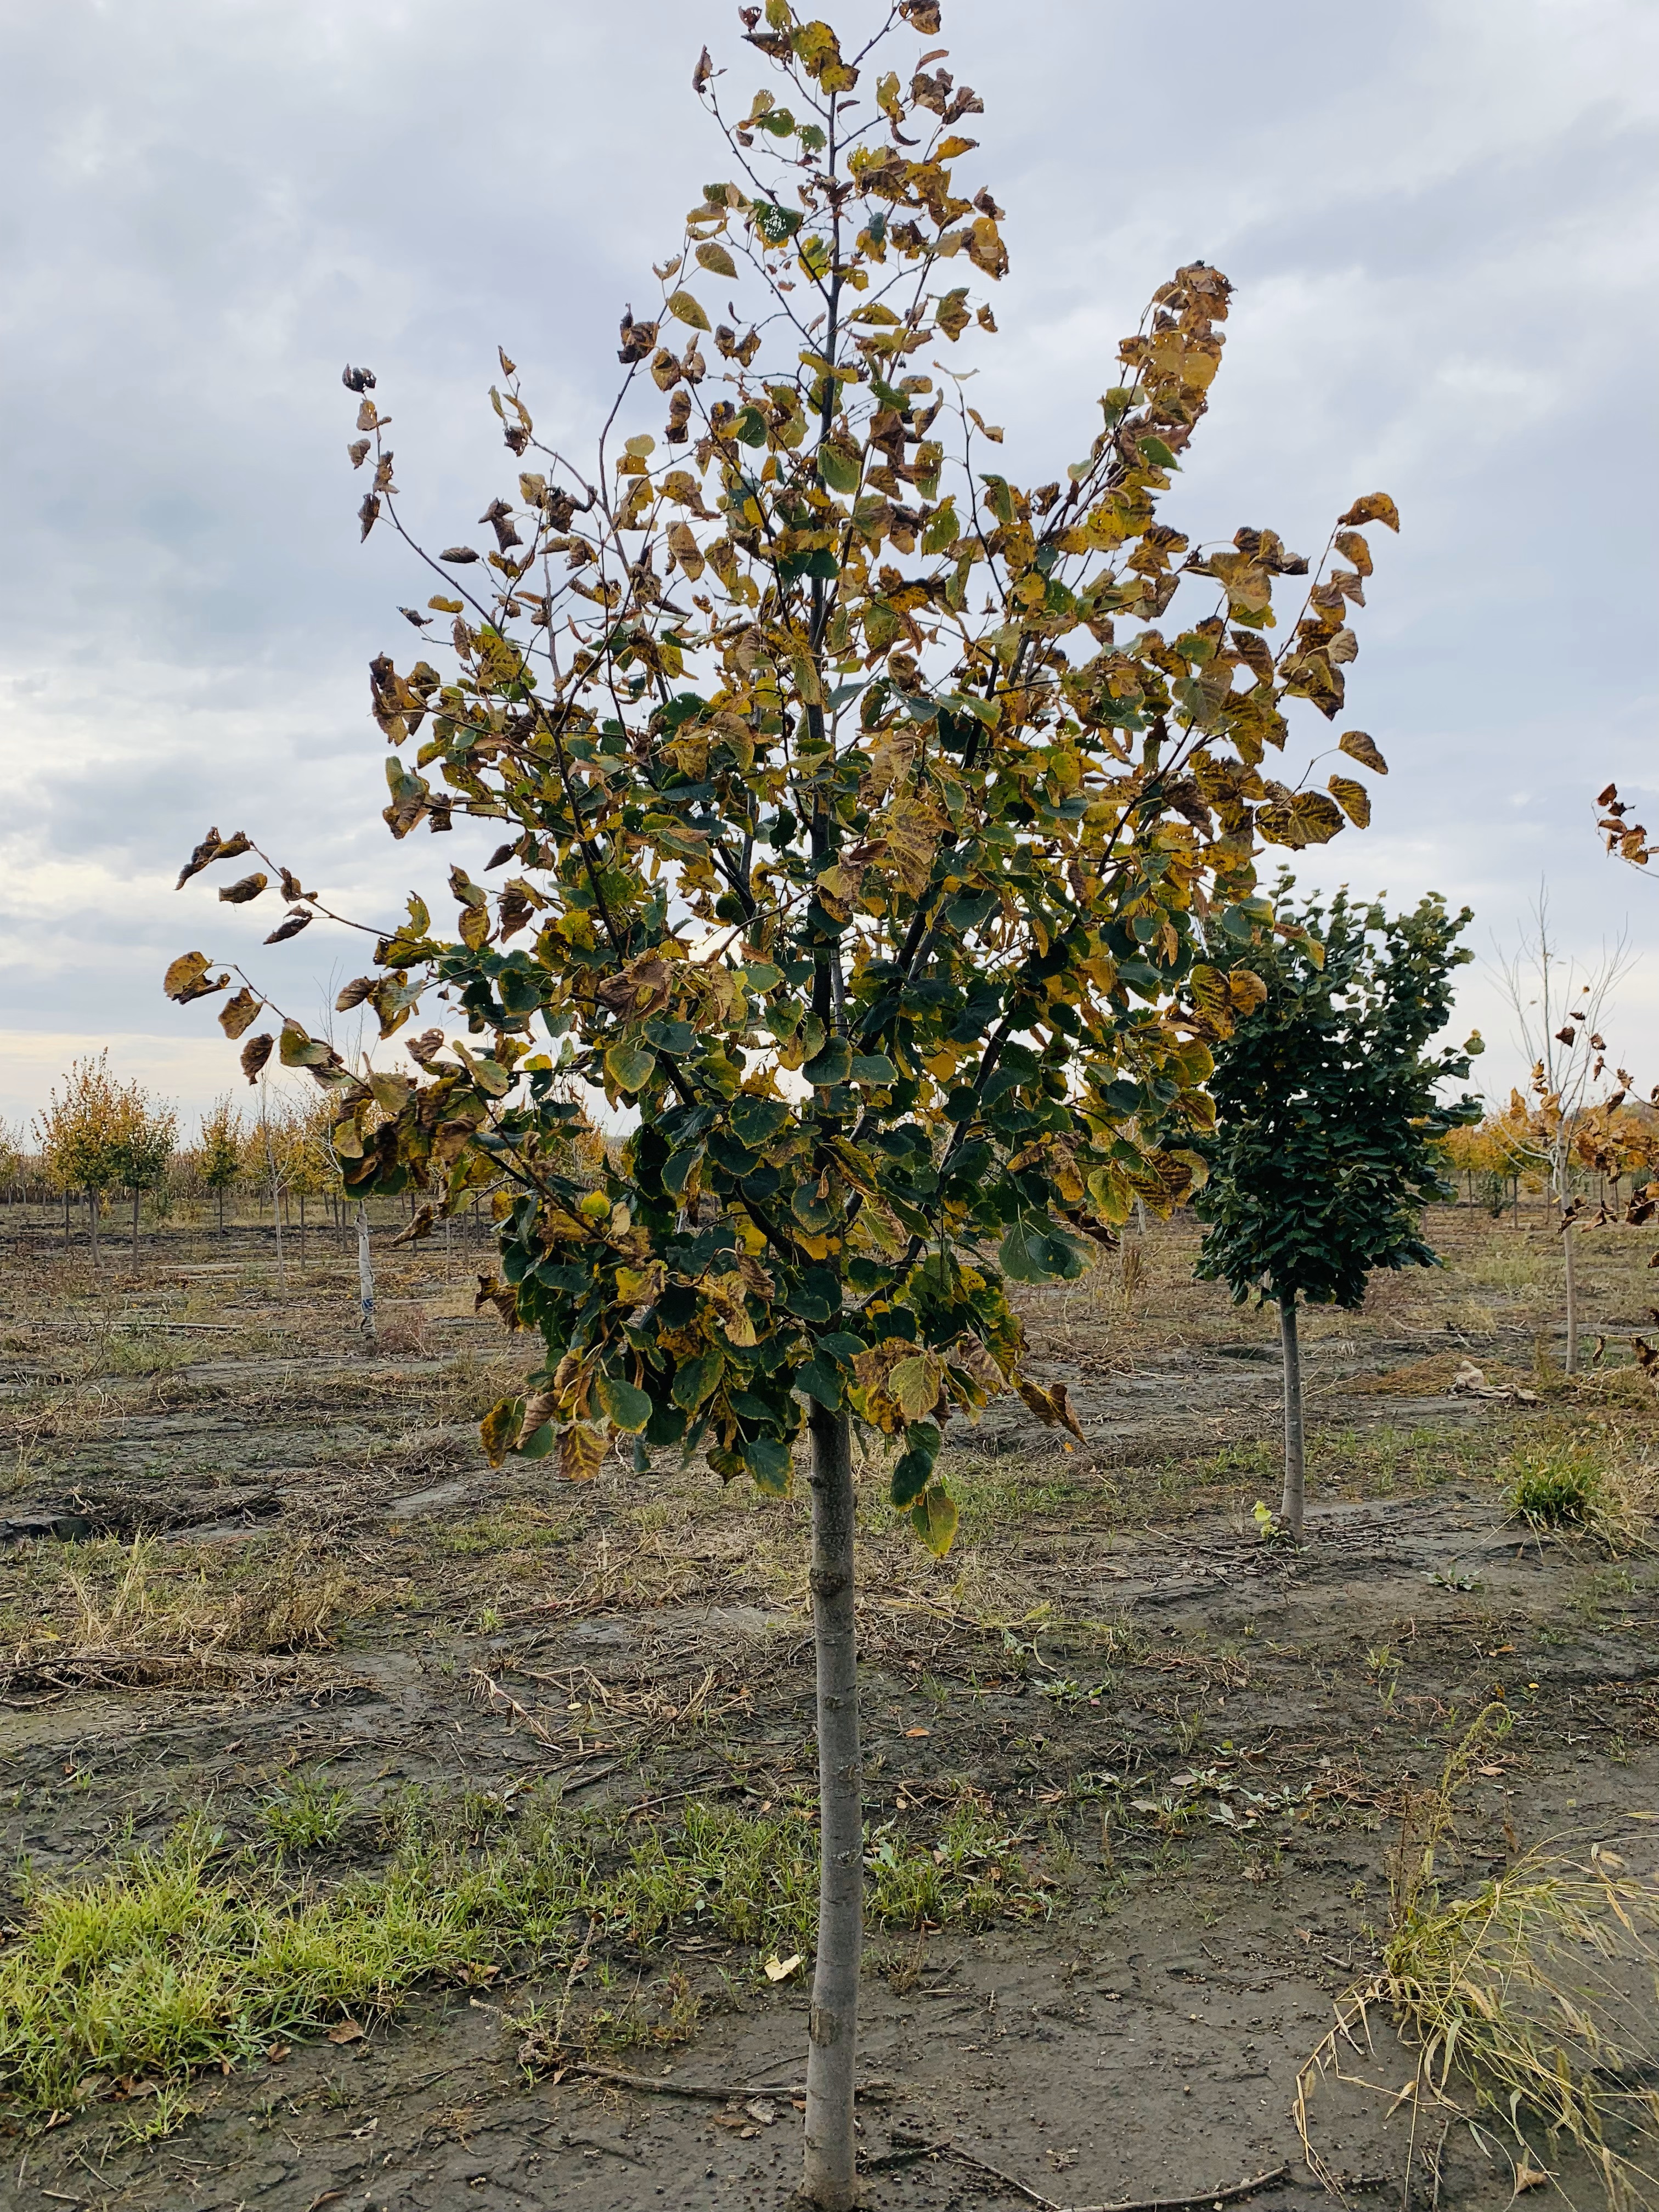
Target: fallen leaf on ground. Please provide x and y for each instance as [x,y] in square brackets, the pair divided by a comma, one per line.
[779,1970]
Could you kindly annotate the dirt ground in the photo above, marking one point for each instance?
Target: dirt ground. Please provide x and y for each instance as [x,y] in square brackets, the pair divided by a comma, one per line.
[255,1576]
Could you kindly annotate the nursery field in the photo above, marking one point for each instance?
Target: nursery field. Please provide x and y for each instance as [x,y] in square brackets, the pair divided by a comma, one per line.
[384,1831]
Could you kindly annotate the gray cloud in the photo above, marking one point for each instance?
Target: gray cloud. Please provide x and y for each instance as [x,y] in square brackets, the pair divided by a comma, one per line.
[1441,220]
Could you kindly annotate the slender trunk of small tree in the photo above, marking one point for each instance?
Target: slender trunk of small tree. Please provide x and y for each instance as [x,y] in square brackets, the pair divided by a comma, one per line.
[92,1222]
[1294,1464]
[829,2179]
[365,1278]
[222,1209]
[302,1232]
[1570,1265]
[66,1218]
[135,1224]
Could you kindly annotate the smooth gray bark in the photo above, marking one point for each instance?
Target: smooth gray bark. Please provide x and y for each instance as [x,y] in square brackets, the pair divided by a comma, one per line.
[1569,1260]
[365,1278]
[1290,1512]
[829,2176]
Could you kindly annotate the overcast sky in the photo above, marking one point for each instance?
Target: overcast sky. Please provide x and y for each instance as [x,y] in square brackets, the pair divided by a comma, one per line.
[1439,215]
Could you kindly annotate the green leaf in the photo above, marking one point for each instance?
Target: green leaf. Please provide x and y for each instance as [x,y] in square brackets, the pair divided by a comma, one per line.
[755,1122]
[769,1459]
[628,1407]
[629,1064]
[873,1068]
[832,1066]
[1036,1251]
[915,1466]
[933,1517]
[540,1444]
[820,1381]
[694,1378]
[841,466]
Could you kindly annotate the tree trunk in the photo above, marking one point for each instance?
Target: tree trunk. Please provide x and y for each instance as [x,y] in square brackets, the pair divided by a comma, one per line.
[135,1224]
[66,1218]
[1569,1261]
[277,1223]
[1295,1465]
[92,1221]
[302,1232]
[222,1209]
[829,2179]
[365,1278]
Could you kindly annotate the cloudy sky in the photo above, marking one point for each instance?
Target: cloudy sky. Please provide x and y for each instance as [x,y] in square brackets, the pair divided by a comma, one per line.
[1440,217]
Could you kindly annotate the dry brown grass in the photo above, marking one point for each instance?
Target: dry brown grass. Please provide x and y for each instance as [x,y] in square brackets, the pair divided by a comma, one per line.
[146,1612]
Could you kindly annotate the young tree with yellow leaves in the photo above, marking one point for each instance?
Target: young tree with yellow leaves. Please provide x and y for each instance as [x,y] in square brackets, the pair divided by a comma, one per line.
[866,812]
[77,1135]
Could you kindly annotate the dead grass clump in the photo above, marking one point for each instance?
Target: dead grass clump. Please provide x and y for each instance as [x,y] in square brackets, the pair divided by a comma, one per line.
[405,1332]
[1537,1996]
[288,1604]
[135,1613]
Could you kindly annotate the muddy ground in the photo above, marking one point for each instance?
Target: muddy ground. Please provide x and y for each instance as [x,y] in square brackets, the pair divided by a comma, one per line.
[1197,1745]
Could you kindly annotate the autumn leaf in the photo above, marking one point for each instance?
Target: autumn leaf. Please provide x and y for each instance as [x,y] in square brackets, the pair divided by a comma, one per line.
[1359,747]
[239,1014]
[684,309]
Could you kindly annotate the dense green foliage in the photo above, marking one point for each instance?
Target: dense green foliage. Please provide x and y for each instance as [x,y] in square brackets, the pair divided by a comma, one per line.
[1323,1153]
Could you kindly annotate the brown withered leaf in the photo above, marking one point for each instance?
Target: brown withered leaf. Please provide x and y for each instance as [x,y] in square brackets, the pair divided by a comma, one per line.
[354,992]
[498,1431]
[502,1296]
[187,978]
[239,1014]
[249,887]
[1375,507]
[255,1053]
[213,848]
[458,555]
[291,928]
[1357,747]
[419,1227]
[581,1450]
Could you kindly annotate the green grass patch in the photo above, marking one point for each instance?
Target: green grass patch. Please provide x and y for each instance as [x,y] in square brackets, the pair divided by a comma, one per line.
[174,1961]
[1556,1485]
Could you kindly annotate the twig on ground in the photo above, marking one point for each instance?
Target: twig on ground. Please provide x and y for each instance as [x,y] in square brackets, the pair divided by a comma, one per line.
[715,2093]
[1197,2202]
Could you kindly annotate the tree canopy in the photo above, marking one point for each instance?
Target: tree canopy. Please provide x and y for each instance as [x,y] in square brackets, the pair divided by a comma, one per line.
[871,848]
[1328,1117]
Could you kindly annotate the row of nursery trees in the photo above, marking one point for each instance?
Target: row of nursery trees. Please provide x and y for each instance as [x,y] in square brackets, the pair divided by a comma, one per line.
[880,837]
[99,1140]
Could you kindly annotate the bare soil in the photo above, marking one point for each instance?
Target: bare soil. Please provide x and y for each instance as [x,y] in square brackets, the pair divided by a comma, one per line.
[1204,1741]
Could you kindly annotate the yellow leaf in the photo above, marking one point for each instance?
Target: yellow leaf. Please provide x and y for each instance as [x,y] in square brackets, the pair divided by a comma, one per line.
[684,309]
[933,1517]
[714,256]
[1353,798]
[581,1450]
[914,1383]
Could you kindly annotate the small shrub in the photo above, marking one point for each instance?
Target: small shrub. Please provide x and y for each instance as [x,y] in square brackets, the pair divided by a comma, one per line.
[1557,1487]
[305,1815]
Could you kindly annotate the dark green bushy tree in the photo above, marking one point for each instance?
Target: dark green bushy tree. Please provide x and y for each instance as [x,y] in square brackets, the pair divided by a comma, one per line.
[1323,1154]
